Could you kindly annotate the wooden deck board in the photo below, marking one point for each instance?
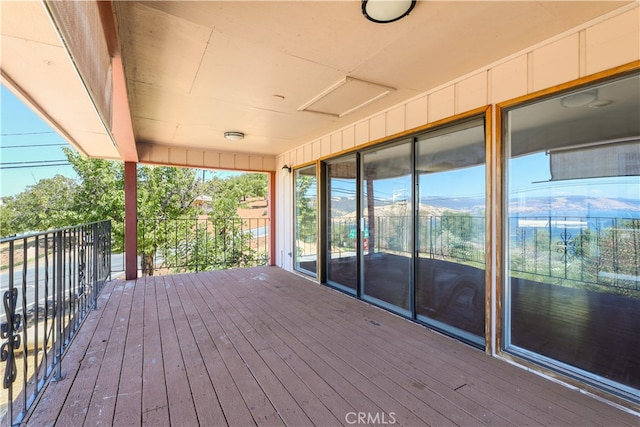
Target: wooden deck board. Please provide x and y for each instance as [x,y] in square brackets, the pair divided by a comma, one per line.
[155,402]
[179,387]
[129,398]
[205,403]
[263,346]
[103,399]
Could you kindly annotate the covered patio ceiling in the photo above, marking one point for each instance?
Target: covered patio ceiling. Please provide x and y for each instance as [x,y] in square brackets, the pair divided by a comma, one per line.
[180,74]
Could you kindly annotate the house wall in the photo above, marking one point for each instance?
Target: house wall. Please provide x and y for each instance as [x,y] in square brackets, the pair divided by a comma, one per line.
[603,47]
[603,44]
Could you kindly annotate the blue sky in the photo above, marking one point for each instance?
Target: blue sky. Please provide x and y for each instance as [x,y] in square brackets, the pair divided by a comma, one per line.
[24,137]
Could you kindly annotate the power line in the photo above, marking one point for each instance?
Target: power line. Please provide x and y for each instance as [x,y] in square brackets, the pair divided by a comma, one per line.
[25,133]
[33,162]
[33,145]
[34,166]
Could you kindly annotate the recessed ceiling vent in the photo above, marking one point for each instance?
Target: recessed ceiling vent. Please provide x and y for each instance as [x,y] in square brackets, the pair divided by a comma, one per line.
[346,96]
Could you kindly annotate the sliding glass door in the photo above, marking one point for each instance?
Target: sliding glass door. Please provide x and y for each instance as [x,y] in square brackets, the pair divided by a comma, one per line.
[450,267]
[386,235]
[342,224]
[306,220]
[406,227]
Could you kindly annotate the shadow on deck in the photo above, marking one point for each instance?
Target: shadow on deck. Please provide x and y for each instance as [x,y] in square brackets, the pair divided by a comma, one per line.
[267,347]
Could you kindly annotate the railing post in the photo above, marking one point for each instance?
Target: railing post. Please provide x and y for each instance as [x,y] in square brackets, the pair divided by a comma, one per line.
[9,332]
[96,252]
[59,376]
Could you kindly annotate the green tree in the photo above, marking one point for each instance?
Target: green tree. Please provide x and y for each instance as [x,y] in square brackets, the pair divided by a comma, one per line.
[164,195]
[165,203]
[100,193]
[167,216]
[7,218]
[42,206]
[224,244]
[306,217]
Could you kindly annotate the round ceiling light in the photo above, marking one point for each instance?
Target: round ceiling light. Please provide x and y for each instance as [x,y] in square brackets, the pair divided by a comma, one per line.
[234,136]
[579,99]
[385,11]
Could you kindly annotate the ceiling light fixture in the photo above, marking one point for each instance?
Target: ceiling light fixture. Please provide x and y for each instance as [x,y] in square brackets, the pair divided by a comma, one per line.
[385,11]
[234,136]
[579,99]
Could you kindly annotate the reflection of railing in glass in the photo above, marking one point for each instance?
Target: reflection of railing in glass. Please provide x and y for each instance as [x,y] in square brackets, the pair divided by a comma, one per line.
[595,251]
[600,252]
[457,237]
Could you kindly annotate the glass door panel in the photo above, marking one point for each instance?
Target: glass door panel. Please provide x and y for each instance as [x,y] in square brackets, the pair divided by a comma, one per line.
[386,234]
[450,279]
[306,221]
[342,242]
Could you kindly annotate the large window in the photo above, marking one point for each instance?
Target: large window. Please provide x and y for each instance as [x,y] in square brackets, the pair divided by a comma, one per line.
[306,220]
[572,233]
[450,279]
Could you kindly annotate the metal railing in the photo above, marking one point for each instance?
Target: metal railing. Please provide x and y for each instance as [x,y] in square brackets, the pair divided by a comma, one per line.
[201,244]
[49,282]
[458,238]
[600,251]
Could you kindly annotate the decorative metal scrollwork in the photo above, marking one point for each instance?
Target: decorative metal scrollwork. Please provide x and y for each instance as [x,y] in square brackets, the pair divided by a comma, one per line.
[82,266]
[566,245]
[9,332]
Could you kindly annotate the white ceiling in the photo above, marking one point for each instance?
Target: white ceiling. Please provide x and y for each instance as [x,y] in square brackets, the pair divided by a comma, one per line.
[197,69]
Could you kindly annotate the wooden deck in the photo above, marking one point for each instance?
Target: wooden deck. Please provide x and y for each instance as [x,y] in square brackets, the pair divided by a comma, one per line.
[267,347]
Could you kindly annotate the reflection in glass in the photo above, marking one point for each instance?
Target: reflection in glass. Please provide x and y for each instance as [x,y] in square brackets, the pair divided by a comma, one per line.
[387,234]
[342,224]
[450,284]
[306,220]
[573,234]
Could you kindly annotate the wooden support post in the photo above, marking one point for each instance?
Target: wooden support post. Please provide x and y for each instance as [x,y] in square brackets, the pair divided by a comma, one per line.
[131,220]
[272,218]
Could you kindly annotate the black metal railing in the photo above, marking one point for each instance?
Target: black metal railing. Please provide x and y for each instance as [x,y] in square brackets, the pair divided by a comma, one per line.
[599,251]
[201,244]
[49,282]
[457,238]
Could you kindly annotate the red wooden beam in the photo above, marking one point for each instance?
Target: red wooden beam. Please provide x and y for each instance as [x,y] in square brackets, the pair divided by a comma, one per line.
[131,220]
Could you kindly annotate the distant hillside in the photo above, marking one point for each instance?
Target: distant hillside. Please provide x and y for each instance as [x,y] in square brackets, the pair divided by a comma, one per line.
[578,206]
[535,206]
